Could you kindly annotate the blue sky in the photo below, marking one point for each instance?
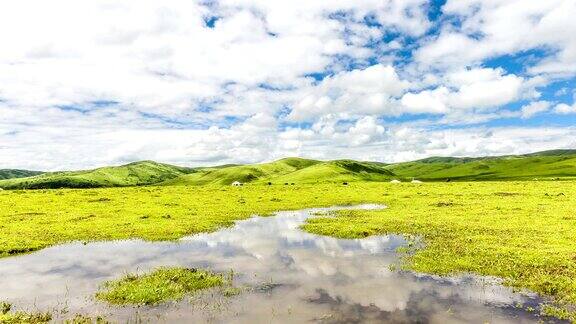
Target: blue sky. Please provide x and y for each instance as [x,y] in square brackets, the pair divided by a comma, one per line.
[243,81]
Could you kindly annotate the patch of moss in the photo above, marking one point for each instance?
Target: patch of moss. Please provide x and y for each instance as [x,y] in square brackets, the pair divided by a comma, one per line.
[5,307]
[24,318]
[161,285]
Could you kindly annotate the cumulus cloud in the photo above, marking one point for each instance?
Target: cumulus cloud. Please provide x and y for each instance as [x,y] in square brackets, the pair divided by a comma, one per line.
[352,93]
[196,83]
[503,27]
[534,108]
[565,109]
[477,89]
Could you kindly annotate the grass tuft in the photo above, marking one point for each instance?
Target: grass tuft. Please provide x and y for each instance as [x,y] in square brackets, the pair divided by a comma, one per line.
[24,318]
[161,285]
[83,319]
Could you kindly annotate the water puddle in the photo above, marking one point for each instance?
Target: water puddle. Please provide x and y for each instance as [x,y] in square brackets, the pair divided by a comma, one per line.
[295,277]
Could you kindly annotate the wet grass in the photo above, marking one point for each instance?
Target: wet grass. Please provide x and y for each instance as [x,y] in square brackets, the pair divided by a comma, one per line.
[83,319]
[9,317]
[34,219]
[520,231]
[161,285]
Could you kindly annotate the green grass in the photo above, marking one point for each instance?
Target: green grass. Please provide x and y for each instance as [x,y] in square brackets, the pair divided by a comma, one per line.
[133,174]
[14,173]
[34,219]
[161,285]
[520,231]
[8,317]
[83,319]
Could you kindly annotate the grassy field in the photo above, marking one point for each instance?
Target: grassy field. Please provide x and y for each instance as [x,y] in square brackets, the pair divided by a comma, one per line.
[520,231]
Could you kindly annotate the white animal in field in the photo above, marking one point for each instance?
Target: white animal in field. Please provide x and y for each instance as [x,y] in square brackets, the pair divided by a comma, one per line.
[416,181]
[395,181]
[236,184]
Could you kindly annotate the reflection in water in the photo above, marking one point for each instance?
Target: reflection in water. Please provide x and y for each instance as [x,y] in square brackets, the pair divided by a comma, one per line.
[298,277]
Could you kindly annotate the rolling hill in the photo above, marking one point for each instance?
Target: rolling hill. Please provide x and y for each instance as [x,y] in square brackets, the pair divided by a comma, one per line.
[547,164]
[15,173]
[133,174]
[243,173]
[337,171]
[288,170]
[542,165]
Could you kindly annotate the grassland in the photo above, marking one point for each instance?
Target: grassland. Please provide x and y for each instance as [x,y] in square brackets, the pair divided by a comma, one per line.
[34,219]
[133,174]
[159,286]
[520,231]
[542,165]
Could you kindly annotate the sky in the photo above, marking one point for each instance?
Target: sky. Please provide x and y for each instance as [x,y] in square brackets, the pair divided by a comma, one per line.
[103,82]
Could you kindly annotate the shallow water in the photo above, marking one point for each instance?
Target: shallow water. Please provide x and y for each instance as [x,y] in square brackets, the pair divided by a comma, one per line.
[294,277]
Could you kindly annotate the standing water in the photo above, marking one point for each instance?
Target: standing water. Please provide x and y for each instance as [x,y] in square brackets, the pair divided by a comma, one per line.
[294,277]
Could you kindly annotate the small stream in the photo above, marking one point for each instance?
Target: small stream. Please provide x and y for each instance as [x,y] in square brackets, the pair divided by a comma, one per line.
[294,277]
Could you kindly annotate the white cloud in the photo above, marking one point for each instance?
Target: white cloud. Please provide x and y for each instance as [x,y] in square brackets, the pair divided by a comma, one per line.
[427,101]
[364,131]
[492,28]
[112,82]
[534,108]
[358,92]
[473,89]
[565,109]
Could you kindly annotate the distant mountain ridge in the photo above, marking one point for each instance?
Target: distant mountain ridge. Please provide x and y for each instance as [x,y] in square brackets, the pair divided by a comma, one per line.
[540,165]
[16,173]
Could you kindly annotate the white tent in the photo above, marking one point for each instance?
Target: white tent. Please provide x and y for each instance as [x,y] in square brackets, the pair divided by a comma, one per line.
[416,181]
[236,184]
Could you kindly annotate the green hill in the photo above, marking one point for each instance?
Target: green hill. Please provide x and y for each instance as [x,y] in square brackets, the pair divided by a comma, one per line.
[133,174]
[14,173]
[540,165]
[543,165]
[338,171]
[289,170]
[243,173]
